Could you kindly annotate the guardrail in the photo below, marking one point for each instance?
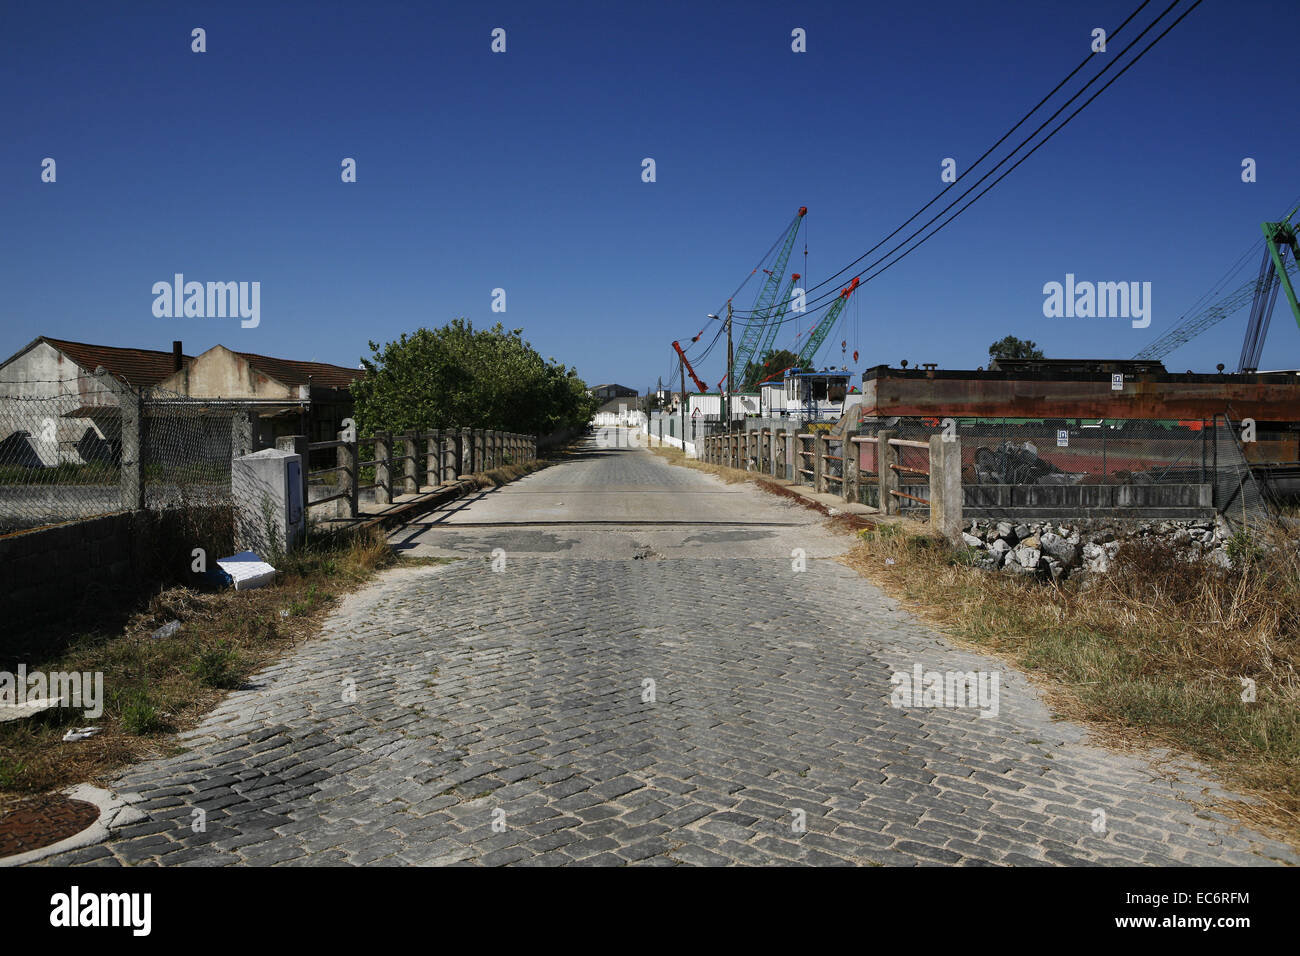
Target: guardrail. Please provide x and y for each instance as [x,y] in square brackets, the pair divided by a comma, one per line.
[405,462]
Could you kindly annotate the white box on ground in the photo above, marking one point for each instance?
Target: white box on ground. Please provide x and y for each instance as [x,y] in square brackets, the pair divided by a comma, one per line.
[267,490]
[247,570]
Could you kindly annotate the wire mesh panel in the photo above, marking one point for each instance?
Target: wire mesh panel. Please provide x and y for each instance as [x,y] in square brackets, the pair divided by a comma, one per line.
[1238,495]
[186,447]
[803,463]
[1075,451]
[64,453]
[60,453]
[833,465]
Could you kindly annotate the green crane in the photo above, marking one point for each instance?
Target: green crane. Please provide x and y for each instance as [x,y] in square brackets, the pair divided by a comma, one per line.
[758,323]
[1276,270]
[774,326]
[823,329]
[1279,239]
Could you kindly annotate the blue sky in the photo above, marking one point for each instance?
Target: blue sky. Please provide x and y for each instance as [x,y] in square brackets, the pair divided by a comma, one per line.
[522,171]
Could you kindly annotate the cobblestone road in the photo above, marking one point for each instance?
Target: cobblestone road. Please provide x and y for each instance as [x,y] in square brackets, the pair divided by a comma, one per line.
[506,716]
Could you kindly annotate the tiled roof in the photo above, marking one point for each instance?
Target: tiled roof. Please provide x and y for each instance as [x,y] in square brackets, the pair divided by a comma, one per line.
[149,367]
[136,366]
[291,372]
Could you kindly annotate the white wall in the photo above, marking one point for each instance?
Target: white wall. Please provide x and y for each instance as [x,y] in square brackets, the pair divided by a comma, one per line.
[37,391]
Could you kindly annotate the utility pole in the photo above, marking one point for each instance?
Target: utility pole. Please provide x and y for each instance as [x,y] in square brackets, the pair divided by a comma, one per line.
[726,399]
[682,405]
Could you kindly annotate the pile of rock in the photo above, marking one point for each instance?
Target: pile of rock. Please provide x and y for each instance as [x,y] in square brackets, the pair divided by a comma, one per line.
[1050,550]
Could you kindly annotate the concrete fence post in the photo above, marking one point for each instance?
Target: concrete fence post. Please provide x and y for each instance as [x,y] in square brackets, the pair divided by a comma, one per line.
[819,461]
[774,455]
[411,462]
[383,465]
[451,454]
[134,439]
[945,485]
[433,457]
[792,459]
[849,451]
[241,433]
[346,458]
[886,458]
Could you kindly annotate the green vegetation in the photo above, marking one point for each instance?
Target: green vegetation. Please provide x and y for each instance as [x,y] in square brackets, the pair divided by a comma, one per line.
[457,376]
[1014,348]
[773,363]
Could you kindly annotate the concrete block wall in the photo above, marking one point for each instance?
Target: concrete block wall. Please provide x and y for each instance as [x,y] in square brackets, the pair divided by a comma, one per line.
[99,563]
[79,562]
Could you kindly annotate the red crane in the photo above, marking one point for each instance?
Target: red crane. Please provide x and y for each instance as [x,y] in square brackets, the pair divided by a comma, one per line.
[694,378]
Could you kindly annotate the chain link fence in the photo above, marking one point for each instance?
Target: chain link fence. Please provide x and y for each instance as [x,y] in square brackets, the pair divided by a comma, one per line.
[74,449]
[1094,452]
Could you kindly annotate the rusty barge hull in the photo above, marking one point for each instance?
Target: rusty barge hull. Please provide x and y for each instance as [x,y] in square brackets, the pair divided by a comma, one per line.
[1272,398]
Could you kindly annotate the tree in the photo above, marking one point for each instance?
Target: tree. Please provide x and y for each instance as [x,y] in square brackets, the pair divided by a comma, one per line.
[773,363]
[1014,348]
[460,377]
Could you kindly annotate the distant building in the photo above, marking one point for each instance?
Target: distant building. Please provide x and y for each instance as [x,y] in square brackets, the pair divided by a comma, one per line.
[808,396]
[53,408]
[709,407]
[606,392]
[618,411]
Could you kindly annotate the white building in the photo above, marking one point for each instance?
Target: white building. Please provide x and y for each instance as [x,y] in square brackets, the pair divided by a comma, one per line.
[710,406]
[808,396]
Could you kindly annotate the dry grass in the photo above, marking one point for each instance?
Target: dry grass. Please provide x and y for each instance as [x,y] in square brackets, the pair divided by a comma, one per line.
[676,456]
[839,521]
[154,687]
[506,473]
[1153,652]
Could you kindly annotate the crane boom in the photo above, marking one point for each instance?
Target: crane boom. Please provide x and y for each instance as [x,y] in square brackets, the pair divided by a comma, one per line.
[759,318]
[774,326]
[1274,272]
[818,336]
[1213,315]
[686,363]
[1279,239]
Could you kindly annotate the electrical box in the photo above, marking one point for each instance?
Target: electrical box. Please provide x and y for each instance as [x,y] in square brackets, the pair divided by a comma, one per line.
[266,488]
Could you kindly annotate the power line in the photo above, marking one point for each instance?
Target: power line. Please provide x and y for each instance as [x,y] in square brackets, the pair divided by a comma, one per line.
[835,292]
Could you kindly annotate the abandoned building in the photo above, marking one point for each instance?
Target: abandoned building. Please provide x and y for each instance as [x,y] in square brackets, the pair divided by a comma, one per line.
[54,409]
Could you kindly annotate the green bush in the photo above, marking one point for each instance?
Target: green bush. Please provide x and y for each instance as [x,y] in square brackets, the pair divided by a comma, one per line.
[140,716]
[217,666]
